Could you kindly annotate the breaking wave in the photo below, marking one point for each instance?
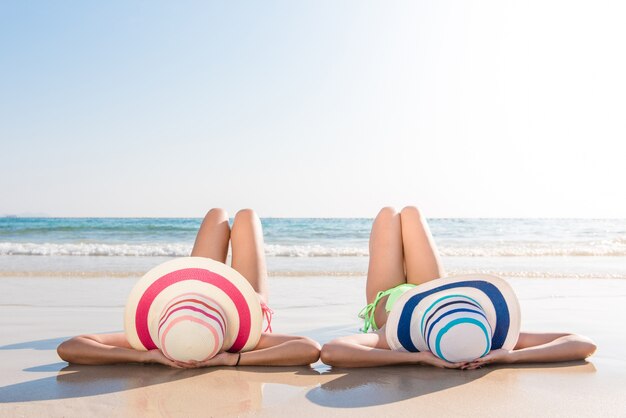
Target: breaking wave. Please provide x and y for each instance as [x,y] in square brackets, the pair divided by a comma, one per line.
[613,249]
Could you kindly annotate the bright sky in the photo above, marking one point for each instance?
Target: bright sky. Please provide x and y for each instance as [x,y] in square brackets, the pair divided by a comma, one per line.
[316,108]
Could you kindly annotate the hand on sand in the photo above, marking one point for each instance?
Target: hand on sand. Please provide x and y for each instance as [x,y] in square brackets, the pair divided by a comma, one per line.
[432,360]
[221,359]
[156,356]
[495,356]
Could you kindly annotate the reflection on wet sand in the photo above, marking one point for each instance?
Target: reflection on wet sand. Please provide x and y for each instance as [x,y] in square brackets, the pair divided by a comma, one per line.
[154,388]
[354,388]
[244,385]
[220,392]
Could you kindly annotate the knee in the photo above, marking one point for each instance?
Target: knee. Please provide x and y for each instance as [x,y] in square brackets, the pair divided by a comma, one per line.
[311,351]
[411,211]
[216,214]
[328,355]
[64,350]
[590,349]
[246,215]
[387,212]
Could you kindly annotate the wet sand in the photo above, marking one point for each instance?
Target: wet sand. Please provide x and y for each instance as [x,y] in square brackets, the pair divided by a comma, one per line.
[37,313]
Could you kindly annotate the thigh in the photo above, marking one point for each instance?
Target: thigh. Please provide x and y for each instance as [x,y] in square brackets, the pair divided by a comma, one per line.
[386,267]
[213,235]
[420,253]
[248,250]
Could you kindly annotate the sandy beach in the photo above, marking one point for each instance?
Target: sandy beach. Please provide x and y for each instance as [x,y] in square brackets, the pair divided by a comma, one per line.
[37,313]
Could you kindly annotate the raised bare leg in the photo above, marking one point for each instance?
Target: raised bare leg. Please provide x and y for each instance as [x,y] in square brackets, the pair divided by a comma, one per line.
[386,267]
[246,239]
[213,236]
[420,253]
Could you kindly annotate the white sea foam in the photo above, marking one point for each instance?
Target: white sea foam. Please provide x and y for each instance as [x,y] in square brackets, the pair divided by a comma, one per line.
[96,249]
[612,249]
[274,250]
[535,251]
[320,273]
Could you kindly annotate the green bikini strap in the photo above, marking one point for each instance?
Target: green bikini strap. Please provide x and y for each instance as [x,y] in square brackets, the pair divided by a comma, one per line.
[367,313]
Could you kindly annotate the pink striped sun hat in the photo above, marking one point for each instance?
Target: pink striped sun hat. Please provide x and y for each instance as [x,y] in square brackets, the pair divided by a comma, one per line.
[192,308]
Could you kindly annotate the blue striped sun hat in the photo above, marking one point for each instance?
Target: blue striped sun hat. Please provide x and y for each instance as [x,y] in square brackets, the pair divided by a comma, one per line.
[458,318]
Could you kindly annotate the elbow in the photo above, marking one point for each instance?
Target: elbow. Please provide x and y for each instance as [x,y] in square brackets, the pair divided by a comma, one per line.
[330,354]
[65,351]
[313,351]
[584,347]
[309,351]
[588,348]
[72,350]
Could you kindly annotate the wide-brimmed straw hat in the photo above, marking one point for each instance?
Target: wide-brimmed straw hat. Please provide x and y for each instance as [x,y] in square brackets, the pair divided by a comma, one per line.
[457,318]
[192,308]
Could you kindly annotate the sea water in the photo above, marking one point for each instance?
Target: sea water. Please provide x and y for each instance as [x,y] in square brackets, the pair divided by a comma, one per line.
[121,247]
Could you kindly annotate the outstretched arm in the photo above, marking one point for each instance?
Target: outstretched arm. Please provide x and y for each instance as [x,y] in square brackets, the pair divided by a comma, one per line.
[272,350]
[540,348]
[107,349]
[371,349]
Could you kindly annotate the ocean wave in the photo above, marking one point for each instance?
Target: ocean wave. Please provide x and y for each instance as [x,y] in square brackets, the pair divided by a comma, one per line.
[537,274]
[561,250]
[276,250]
[312,273]
[533,252]
[96,249]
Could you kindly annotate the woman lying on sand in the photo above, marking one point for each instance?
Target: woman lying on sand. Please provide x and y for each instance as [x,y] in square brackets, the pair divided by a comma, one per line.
[403,254]
[248,258]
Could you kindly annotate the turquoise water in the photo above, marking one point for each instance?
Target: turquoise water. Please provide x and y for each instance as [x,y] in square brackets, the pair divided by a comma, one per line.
[298,246]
